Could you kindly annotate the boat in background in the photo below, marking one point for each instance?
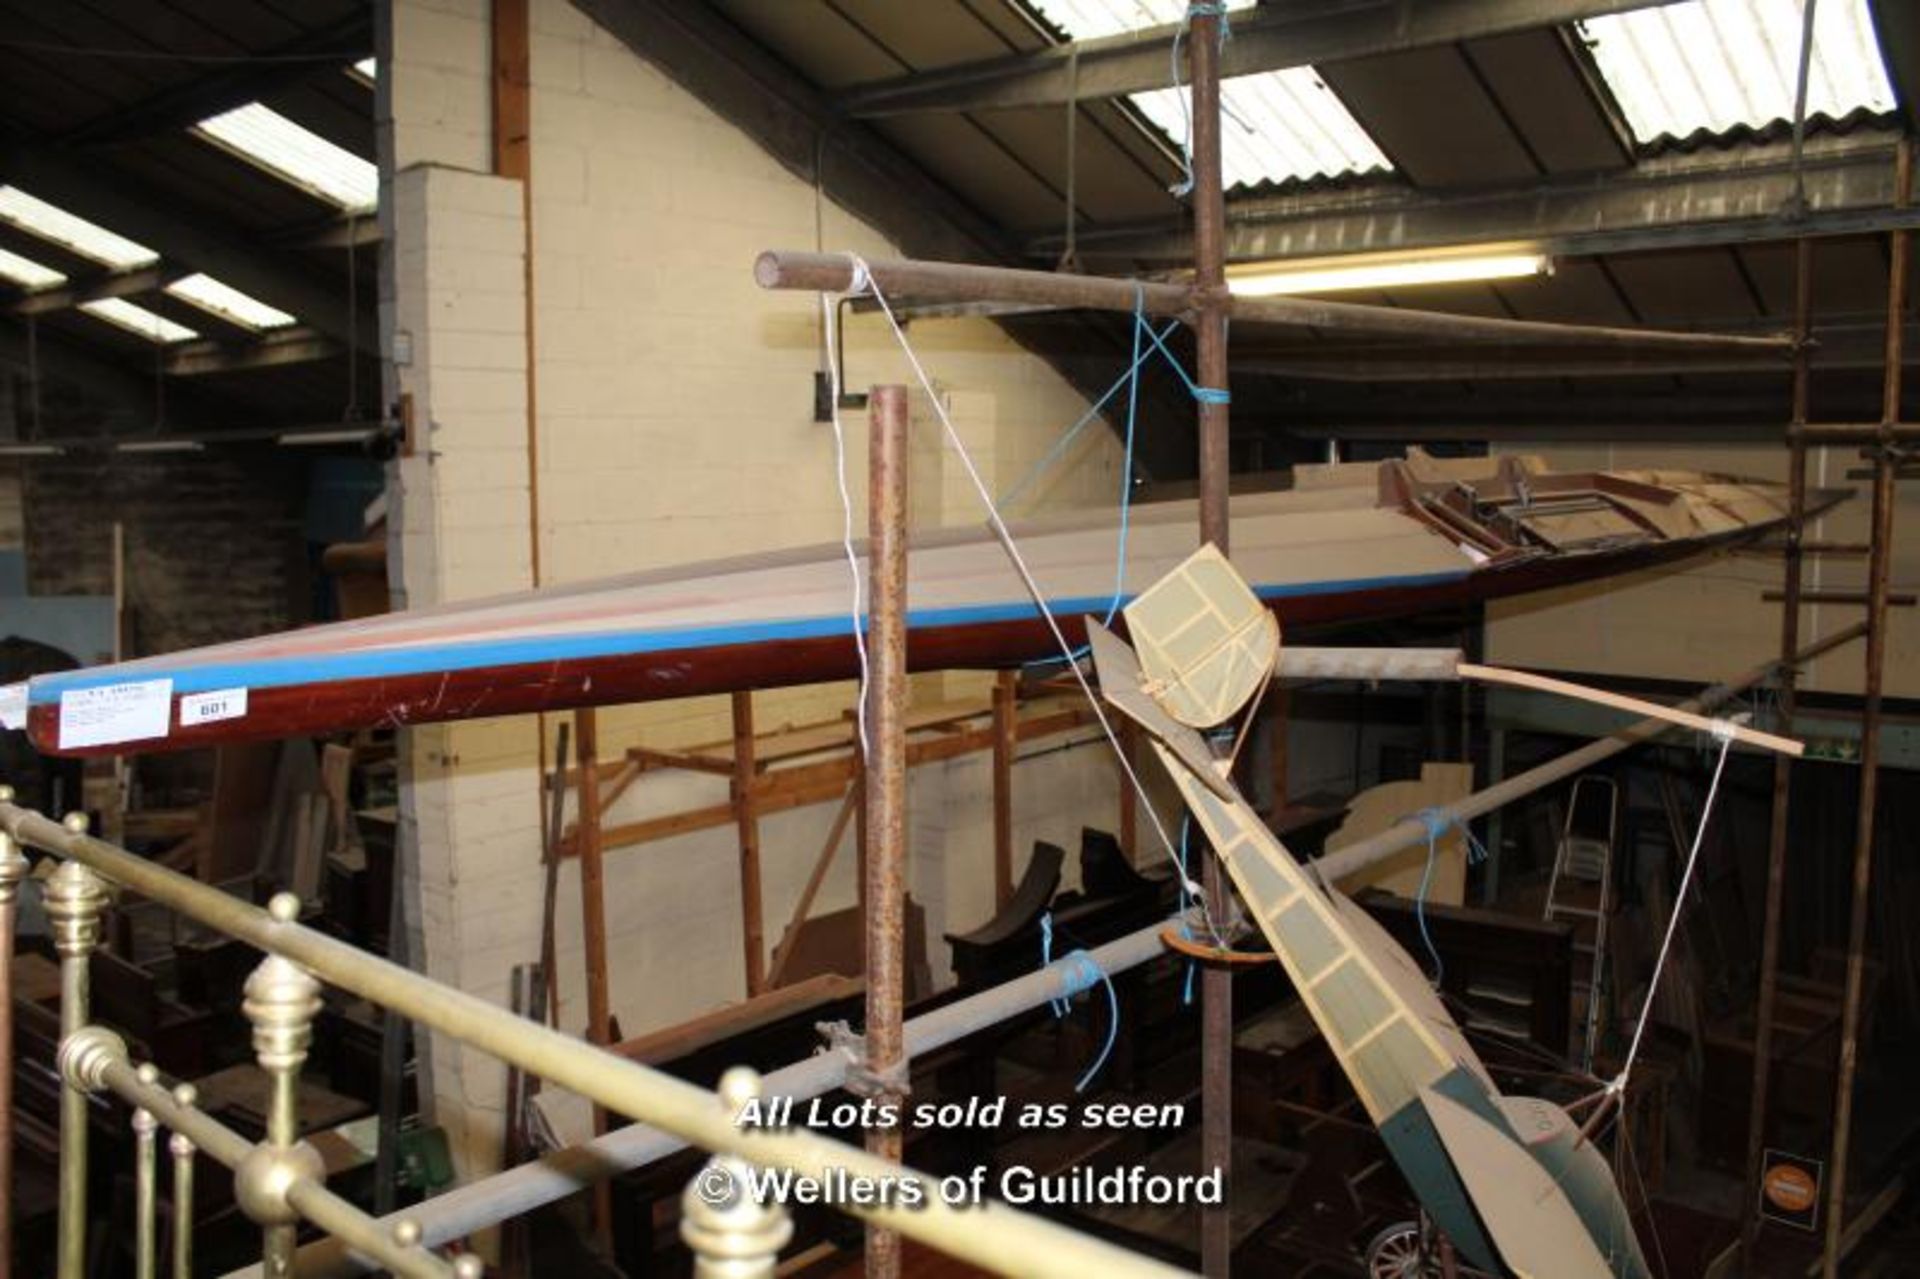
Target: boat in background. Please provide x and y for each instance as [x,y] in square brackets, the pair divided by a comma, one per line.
[1349,542]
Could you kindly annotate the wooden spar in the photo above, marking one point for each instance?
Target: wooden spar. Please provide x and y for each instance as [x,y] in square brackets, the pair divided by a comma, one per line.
[1004,737]
[747,818]
[966,282]
[885,1063]
[1600,697]
[1358,856]
[818,876]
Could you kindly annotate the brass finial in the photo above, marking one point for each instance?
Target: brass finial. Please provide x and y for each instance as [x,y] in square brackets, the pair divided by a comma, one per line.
[75,896]
[281,999]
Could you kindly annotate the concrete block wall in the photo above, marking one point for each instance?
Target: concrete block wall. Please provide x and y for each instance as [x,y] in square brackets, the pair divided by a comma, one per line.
[674,403]
[1708,621]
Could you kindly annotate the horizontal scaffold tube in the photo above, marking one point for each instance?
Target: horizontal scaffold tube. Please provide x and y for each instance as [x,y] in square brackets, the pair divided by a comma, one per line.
[488,1202]
[964,282]
[466,1209]
[993,1236]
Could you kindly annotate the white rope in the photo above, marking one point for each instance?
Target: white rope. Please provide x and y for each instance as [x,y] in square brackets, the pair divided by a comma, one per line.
[846,516]
[861,275]
[1722,733]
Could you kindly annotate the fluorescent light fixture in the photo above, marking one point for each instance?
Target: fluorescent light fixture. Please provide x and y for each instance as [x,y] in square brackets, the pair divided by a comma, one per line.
[160,446]
[1334,275]
[30,450]
[37,217]
[315,439]
[1274,125]
[27,273]
[1716,64]
[228,303]
[295,154]
[137,319]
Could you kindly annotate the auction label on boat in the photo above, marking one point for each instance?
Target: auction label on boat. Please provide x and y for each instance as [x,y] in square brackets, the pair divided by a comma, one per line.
[211,708]
[13,706]
[115,713]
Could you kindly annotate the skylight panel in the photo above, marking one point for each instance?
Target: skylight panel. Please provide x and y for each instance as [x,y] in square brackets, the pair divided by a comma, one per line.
[295,154]
[1719,64]
[37,217]
[137,319]
[367,69]
[27,273]
[229,303]
[1274,125]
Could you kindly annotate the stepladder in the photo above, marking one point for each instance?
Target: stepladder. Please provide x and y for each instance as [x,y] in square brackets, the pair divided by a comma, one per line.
[1580,894]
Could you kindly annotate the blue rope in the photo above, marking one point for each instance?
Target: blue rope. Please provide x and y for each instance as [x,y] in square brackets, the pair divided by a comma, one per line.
[1204,394]
[1132,379]
[1439,822]
[1067,437]
[1195,10]
[1079,973]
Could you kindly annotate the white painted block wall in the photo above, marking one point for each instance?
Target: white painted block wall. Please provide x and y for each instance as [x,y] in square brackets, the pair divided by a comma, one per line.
[675,424]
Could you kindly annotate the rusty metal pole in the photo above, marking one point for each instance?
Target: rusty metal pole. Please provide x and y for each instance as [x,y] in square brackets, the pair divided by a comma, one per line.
[886,790]
[1210,333]
[1878,563]
[1782,765]
[746,773]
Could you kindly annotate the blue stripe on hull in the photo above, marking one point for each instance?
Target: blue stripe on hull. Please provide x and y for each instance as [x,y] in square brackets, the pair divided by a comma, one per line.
[425,658]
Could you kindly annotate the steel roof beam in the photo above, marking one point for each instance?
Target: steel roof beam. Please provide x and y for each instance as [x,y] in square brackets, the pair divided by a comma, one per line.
[197,240]
[1271,37]
[325,48]
[105,284]
[272,350]
[1712,198]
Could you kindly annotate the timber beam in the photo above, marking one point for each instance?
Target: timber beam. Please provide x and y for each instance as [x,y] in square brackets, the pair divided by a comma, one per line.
[1271,37]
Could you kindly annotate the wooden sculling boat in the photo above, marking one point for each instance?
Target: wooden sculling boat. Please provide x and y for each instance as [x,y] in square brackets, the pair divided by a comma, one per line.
[1348,542]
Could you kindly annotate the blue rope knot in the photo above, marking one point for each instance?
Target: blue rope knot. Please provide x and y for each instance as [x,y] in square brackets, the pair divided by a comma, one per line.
[1079,973]
[1439,823]
[1212,395]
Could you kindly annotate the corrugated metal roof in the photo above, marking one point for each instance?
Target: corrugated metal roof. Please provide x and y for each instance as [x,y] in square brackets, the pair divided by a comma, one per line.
[137,319]
[36,217]
[228,303]
[294,153]
[1717,65]
[27,273]
[1278,125]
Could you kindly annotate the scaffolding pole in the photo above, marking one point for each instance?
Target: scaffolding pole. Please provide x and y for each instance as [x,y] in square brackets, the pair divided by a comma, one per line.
[1782,766]
[885,1068]
[1880,540]
[1210,334]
